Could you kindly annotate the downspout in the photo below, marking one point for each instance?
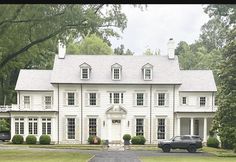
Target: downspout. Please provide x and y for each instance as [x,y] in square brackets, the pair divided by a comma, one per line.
[174,110]
[81,102]
[150,113]
[58,121]
[212,103]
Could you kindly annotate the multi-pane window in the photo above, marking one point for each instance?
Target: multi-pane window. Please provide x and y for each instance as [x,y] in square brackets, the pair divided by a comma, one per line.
[33,126]
[139,98]
[196,127]
[184,100]
[70,128]
[161,129]
[139,127]
[71,98]
[85,73]
[92,126]
[19,125]
[116,98]
[26,102]
[92,98]
[116,74]
[161,99]
[202,101]
[147,74]
[46,126]
[48,102]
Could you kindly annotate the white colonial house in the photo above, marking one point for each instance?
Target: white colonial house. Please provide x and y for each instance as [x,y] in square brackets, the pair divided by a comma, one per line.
[110,96]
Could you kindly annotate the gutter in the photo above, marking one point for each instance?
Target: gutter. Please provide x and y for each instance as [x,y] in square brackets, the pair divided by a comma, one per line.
[58,133]
[81,118]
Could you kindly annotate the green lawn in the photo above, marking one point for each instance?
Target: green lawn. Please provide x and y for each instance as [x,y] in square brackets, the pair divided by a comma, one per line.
[68,146]
[219,152]
[187,159]
[42,156]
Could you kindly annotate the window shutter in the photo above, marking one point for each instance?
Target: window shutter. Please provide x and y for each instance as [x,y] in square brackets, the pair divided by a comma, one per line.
[85,129]
[154,133]
[134,99]
[99,127]
[198,101]
[86,98]
[145,99]
[167,99]
[64,98]
[133,127]
[76,98]
[187,100]
[207,101]
[64,132]
[98,99]
[77,129]
[146,128]
[155,99]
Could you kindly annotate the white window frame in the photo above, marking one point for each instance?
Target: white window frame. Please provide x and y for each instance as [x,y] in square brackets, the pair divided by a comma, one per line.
[88,74]
[121,97]
[34,126]
[143,125]
[140,99]
[46,105]
[182,100]
[67,98]
[144,74]
[113,73]
[96,126]
[67,129]
[21,127]
[161,126]
[158,98]
[28,104]
[89,98]
[200,101]
[47,122]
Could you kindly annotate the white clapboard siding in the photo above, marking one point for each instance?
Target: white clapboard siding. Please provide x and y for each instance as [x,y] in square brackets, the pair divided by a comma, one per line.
[85,129]
[166,99]
[77,129]
[154,130]
[155,99]
[133,125]
[86,97]
[146,128]
[145,99]
[98,99]
[64,129]
[99,127]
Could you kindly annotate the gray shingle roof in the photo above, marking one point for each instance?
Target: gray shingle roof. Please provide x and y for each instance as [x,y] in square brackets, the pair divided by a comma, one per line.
[34,80]
[67,70]
[197,80]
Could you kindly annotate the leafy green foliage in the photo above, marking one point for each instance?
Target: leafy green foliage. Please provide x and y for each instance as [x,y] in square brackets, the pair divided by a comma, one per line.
[4,125]
[17,139]
[31,139]
[44,139]
[94,140]
[120,50]
[138,140]
[213,142]
[149,52]
[126,137]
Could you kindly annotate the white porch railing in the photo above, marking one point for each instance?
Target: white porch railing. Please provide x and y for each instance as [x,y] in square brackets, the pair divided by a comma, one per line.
[5,108]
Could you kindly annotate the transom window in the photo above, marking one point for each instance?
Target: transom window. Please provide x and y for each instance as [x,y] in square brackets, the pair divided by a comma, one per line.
[202,101]
[46,126]
[139,98]
[139,127]
[48,102]
[71,98]
[160,128]
[19,125]
[33,126]
[92,126]
[161,99]
[71,128]
[92,98]
[116,73]
[85,73]
[26,102]
[147,74]
[184,100]
[116,98]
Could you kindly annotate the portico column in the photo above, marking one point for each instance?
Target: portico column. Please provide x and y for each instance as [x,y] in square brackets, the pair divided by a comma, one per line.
[192,127]
[205,130]
[178,125]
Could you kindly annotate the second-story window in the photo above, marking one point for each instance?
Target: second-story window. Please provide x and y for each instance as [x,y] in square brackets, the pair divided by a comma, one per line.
[140,99]
[116,73]
[202,101]
[26,102]
[184,100]
[48,102]
[71,98]
[161,99]
[116,98]
[92,99]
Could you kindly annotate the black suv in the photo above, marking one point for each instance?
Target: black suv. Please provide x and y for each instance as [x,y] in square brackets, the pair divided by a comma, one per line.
[189,142]
[5,136]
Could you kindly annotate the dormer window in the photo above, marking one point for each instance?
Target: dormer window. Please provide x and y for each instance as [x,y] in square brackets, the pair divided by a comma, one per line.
[147,71]
[116,71]
[85,71]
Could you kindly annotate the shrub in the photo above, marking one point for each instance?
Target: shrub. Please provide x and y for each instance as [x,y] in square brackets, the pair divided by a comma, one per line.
[94,140]
[44,139]
[142,140]
[17,139]
[31,139]
[212,142]
[126,137]
[135,140]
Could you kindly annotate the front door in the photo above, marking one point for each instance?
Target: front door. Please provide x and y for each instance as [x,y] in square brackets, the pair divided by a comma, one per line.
[116,130]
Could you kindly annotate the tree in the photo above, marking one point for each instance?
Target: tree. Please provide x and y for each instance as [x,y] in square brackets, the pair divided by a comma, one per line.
[90,45]
[149,52]
[120,50]
[4,125]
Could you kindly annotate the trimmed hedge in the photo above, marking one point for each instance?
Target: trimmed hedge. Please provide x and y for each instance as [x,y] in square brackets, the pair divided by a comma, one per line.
[126,137]
[94,140]
[31,139]
[44,139]
[213,142]
[138,140]
[17,139]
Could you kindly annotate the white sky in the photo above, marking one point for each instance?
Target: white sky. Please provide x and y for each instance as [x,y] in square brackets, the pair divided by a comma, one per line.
[152,27]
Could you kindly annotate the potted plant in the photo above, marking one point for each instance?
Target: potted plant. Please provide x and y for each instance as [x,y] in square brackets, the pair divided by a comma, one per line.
[126,138]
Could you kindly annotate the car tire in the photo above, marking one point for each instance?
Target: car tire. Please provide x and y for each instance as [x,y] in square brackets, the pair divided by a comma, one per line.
[166,148]
[192,149]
